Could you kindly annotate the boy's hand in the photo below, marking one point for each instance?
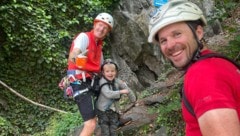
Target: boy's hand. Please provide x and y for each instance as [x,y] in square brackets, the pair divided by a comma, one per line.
[124,91]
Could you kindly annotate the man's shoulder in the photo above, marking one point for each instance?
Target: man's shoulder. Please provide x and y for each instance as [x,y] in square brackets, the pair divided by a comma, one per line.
[82,35]
[211,62]
[210,67]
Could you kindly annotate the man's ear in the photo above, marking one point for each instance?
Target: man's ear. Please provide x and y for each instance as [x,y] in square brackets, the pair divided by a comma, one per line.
[199,32]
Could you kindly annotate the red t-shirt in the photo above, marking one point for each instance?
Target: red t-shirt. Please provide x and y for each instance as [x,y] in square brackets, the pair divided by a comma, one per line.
[210,84]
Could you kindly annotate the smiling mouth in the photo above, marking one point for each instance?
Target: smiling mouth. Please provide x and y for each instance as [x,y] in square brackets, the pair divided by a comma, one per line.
[110,76]
[175,54]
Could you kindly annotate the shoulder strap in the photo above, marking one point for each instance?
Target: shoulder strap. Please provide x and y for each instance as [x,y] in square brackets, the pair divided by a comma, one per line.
[210,55]
[186,103]
[216,55]
[107,83]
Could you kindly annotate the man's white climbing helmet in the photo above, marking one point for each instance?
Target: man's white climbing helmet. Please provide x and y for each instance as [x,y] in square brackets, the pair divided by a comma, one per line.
[106,18]
[172,12]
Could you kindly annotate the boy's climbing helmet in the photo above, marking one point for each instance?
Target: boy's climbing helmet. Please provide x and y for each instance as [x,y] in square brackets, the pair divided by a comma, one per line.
[109,61]
[106,18]
[172,12]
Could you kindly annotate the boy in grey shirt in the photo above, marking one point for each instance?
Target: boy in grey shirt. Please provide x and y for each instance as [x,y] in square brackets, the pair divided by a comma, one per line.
[111,91]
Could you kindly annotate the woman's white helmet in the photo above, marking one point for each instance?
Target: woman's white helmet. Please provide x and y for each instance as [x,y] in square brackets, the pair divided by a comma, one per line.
[106,18]
[172,12]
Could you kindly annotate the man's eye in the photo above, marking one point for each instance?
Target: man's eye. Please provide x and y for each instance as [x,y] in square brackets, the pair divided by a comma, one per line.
[162,42]
[177,34]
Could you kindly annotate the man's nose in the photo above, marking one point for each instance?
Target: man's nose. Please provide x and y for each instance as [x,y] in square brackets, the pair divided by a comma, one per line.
[170,43]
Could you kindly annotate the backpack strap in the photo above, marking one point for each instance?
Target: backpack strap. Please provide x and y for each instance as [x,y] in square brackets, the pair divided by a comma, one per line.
[216,55]
[187,103]
[107,83]
[210,55]
[98,91]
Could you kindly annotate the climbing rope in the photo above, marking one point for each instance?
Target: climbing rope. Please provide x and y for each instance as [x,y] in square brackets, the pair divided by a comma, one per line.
[28,100]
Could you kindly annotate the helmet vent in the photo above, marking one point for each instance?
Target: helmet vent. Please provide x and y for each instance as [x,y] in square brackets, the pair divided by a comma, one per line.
[106,18]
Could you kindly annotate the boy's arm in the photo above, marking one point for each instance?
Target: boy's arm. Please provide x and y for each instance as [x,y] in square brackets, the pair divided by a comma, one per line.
[131,95]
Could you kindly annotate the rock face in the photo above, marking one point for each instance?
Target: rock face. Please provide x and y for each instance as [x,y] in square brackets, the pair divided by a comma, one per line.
[140,63]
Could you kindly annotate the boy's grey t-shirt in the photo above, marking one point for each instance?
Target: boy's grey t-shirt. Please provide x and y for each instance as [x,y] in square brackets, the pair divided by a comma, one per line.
[107,98]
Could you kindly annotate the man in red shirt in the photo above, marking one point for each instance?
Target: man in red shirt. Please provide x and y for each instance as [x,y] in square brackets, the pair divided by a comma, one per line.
[88,45]
[211,85]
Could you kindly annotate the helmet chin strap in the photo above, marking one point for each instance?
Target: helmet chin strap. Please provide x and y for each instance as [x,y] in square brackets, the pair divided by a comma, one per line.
[196,54]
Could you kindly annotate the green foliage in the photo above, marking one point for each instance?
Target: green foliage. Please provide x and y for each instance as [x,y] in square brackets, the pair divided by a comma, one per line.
[233,50]
[222,8]
[228,7]
[169,115]
[168,111]
[6,128]
[24,116]
[63,124]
